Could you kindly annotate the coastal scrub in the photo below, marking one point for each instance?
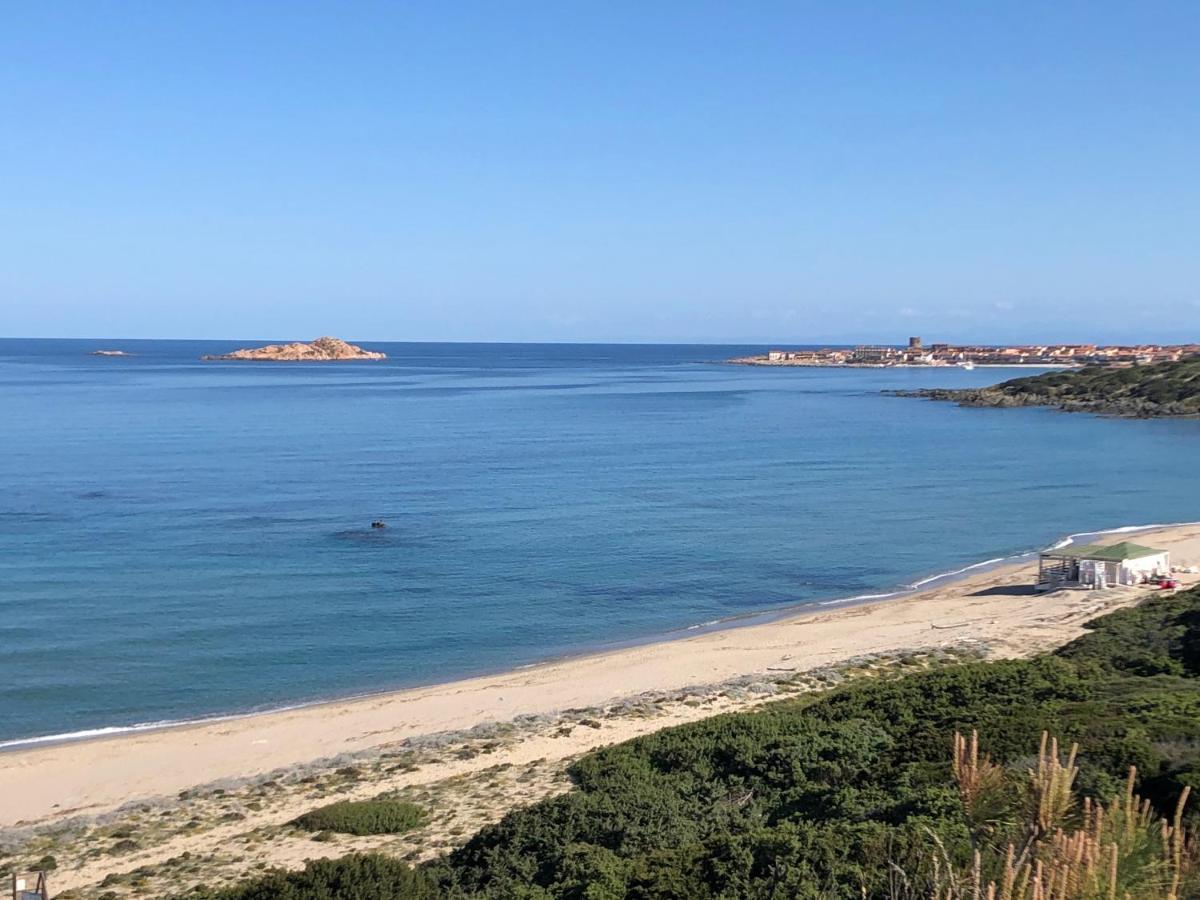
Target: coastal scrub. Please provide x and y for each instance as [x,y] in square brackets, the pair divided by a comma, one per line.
[865,792]
[361,817]
[1151,391]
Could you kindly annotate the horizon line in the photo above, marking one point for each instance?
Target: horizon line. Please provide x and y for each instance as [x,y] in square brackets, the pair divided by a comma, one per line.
[723,342]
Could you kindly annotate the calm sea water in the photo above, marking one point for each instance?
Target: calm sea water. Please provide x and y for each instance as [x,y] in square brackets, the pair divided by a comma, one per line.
[180,539]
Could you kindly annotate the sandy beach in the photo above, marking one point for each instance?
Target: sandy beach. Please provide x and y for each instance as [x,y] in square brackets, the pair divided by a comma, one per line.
[994,610]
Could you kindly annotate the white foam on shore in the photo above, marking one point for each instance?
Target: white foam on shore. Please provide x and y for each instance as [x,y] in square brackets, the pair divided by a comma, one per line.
[98,732]
[116,730]
[1124,529]
[838,601]
[916,585]
[954,574]
[924,582]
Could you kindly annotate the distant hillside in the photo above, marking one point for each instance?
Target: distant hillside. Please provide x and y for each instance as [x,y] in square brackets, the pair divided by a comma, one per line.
[857,794]
[1162,389]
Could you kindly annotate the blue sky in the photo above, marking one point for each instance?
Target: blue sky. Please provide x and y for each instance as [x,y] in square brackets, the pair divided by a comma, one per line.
[692,171]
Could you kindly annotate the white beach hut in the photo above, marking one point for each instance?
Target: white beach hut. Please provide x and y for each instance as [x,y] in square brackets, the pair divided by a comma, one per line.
[1096,565]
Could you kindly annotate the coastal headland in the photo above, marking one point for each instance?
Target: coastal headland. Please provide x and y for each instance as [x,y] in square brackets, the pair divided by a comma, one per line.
[223,791]
[323,349]
[1160,390]
[918,353]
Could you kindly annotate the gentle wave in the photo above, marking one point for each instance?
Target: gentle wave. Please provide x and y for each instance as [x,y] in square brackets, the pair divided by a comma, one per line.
[1124,529]
[859,597]
[916,585]
[954,574]
[89,733]
[111,731]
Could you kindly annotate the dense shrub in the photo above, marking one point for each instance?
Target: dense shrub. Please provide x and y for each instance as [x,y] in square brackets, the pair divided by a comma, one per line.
[355,877]
[1169,386]
[831,796]
[1160,389]
[820,796]
[363,817]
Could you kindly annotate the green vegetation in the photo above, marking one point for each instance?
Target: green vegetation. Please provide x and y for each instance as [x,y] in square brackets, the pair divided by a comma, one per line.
[356,877]
[1162,389]
[1057,847]
[864,792]
[363,817]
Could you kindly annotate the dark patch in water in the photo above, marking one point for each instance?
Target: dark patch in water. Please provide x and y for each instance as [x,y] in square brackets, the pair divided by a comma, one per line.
[261,521]
[698,396]
[494,388]
[93,495]
[367,534]
[20,516]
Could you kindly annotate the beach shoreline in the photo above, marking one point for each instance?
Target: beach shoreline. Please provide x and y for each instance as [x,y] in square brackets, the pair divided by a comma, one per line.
[218,797]
[683,632]
[99,774]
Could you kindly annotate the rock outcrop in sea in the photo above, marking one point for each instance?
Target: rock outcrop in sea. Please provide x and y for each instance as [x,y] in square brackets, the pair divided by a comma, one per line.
[323,349]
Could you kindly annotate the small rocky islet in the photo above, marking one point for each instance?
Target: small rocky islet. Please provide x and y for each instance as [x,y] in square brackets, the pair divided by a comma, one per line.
[323,349]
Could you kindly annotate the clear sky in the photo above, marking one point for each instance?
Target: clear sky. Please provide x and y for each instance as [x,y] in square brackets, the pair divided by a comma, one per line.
[631,171]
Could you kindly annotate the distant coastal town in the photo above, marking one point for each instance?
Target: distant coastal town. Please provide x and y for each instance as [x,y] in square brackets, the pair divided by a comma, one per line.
[917,353]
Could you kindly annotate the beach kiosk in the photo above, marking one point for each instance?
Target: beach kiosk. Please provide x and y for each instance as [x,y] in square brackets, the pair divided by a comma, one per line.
[1099,566]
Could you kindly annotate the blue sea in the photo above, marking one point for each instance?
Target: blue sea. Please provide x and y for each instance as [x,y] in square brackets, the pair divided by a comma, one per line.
[181,539]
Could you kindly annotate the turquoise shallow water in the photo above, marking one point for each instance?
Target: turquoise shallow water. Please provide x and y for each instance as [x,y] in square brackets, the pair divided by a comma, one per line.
[181,539]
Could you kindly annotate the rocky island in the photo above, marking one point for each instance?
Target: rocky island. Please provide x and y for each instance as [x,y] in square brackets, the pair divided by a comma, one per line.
[323,349]
[1153,391]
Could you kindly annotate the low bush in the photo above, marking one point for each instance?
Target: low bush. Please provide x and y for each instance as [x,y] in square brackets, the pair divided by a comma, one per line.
[370,876]
[363,817]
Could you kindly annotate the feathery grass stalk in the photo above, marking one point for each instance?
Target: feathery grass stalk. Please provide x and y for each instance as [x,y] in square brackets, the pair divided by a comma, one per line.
[1118,851]
[1052,783]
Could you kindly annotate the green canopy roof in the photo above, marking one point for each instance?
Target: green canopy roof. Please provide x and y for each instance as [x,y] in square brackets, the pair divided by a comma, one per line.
[1111,553]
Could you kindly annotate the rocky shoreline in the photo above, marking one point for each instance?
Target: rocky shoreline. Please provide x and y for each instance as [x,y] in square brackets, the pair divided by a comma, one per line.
[323,349]
[1161,390]
[991,398]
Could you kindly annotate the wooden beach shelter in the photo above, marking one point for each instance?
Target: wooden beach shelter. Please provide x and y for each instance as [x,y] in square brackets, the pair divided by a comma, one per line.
[1097,565]
[30,887]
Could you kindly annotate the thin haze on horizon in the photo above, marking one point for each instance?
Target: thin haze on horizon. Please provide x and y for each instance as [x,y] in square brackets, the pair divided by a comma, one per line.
[673,172]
